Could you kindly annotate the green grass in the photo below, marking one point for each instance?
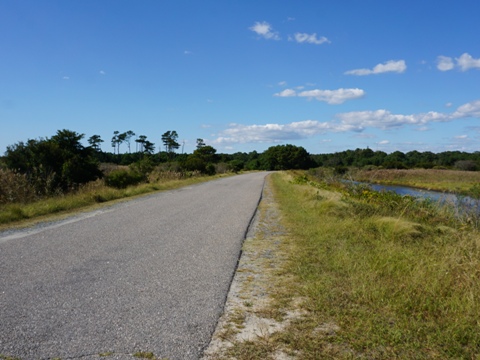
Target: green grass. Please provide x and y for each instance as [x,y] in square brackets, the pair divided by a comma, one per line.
[91,195]
[144,355]
[5,357]
[392,281]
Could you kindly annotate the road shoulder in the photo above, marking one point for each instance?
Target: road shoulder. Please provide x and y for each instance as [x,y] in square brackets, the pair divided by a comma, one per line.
[252,315]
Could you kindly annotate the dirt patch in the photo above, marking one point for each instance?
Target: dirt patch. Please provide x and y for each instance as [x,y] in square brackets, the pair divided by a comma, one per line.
[249,321]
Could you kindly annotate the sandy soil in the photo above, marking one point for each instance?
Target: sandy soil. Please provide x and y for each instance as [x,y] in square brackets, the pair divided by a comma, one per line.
[247,311]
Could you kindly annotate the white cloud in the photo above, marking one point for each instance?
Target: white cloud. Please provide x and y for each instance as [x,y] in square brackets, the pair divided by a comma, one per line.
[310,38]
[237,133]
[383,119]
[464,62]
[356,121]
[187,52]
[467,62]
[445,63]
[286,93]
[389,66]
[66,78]
[101,72]
[471,109]
[333,97]
[461,137]
[264,30]
[383,142]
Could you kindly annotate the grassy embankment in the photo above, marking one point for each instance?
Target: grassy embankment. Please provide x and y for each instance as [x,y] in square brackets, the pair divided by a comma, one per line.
[88,197]
[461,182]
[379,276]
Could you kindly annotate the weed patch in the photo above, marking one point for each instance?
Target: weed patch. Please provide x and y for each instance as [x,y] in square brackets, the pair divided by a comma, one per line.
[144,355]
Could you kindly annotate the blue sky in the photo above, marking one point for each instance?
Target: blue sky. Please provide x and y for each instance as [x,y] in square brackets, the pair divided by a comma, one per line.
[245,75]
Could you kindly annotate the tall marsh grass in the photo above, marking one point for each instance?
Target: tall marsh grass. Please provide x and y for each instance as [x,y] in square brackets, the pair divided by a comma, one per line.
[463,182]
[391,277]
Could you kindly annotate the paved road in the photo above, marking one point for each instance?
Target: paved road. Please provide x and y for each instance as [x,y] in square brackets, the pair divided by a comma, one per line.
[146,275]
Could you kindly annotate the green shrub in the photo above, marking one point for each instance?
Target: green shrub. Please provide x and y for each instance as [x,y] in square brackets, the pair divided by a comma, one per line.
[120,179]
[236,165]
[210,169]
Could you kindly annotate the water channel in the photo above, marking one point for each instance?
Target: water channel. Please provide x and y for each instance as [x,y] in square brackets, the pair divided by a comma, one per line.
[460,202]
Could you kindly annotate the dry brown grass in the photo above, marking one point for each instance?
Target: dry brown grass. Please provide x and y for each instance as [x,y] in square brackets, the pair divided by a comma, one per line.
[14,187]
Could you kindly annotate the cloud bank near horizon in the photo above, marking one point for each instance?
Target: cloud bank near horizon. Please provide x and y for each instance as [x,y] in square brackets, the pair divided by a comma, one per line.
[355,121]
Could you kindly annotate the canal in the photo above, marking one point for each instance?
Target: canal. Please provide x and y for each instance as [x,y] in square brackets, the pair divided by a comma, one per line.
[459,201]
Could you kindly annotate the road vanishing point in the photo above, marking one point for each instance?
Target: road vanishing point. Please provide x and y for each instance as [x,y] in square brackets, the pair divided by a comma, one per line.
[148,275]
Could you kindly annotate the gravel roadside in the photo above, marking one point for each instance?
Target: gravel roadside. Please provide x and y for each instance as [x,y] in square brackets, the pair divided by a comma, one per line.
[248,322]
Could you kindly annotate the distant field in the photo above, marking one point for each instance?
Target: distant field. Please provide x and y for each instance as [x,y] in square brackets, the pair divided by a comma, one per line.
[466,182]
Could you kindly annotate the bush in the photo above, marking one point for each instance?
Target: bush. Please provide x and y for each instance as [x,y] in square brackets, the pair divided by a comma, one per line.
[466,165]
[221,168]
[195,163]
[285,157]
[120,179]
[54,165]
[143,166]
[236,165]
[210,169]
[14,187]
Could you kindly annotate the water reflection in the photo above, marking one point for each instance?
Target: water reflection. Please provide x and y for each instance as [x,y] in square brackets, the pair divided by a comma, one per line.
[460,202]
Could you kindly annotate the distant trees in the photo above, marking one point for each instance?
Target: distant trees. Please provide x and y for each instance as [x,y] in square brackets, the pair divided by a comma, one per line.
[466,165]
[144,146]
[285,157]
[119,138]
[169,140]
[95,141]
[127,136]
[59,163]
[200,143]
[399,160]
[202,159]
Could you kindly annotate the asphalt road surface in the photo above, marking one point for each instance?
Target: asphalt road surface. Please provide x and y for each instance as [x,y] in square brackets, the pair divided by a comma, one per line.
[147,275]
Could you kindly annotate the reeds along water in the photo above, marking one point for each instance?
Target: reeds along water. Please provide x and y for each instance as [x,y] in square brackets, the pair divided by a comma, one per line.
[464,208]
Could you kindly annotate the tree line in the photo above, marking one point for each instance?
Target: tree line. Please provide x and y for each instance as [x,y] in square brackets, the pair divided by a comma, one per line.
[61,162]
[362,158]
